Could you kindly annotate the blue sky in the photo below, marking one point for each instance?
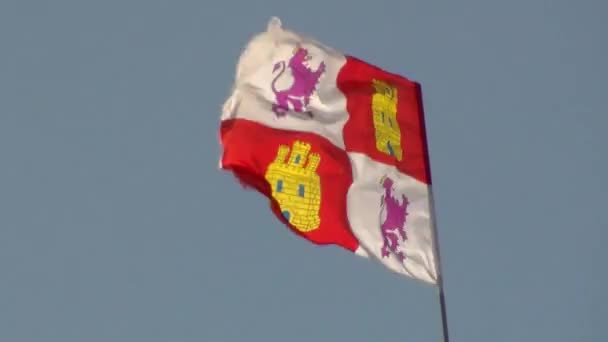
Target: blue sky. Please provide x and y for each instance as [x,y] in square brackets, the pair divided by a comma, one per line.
[116,225]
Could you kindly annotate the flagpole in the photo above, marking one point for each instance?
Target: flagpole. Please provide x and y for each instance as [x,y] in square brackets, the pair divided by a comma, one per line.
[444,316]
[440,287]
[442,304]
[436,249]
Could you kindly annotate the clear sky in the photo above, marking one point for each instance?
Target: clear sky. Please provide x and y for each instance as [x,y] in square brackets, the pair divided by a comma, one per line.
[116,225]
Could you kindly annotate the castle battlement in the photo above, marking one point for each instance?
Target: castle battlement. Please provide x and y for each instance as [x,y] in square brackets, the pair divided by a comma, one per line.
[292,170]
[384,89]
[297,161]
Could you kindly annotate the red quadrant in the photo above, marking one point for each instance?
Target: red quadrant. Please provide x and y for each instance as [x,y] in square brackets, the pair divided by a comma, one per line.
[249,149]
[355,82]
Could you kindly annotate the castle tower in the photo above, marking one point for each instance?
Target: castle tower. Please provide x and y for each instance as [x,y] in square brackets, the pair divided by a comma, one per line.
[313,162]
[299,153]
[281,154]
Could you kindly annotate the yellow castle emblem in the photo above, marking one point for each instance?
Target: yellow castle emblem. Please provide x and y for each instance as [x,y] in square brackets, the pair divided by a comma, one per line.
[384,109]
[296,186]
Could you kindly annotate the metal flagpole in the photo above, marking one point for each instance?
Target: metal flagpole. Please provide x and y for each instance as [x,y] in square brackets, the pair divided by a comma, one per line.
[442,304]
[444,315]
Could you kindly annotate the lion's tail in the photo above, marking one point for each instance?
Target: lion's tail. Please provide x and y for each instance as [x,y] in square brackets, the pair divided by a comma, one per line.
[280,64]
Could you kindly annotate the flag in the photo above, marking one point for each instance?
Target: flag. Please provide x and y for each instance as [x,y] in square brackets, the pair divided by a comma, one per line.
[338,147]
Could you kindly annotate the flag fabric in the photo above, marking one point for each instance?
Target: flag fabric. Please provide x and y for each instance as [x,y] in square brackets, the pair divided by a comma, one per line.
[338,147]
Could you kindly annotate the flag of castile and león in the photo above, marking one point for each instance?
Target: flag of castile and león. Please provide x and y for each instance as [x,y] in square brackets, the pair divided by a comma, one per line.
[337,145]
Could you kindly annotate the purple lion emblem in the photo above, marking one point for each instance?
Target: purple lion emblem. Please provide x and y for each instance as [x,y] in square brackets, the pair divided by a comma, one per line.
[304,83]
[393,227]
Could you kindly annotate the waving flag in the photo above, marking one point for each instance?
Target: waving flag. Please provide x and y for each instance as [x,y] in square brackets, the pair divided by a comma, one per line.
[337,145]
